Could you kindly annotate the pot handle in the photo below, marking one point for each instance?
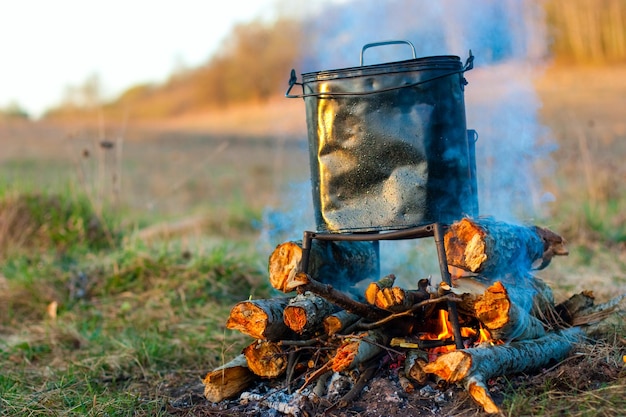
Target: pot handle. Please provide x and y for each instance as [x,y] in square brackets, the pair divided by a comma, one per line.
[293,79]
[393,42]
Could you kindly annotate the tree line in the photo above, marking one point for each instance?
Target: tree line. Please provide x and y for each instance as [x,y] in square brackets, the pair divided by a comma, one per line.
[254,62]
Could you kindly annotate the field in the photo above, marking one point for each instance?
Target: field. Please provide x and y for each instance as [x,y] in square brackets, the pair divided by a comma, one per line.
[123,247]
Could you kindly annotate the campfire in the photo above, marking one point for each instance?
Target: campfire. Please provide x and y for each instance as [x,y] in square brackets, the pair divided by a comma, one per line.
[392,163]
[302,341]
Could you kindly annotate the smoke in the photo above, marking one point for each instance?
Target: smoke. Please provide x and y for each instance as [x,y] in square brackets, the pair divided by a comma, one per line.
[509,41]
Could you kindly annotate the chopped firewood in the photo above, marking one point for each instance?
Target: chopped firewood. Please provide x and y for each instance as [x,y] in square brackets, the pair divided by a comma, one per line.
[491,247]
[358,350]
[385,296]
[414,365]
[265,359]
[529,291]
[228,380]
[375,287]
[306,312]
[475,366]
[504,319]
[261,319]
[340,263]
[339,321]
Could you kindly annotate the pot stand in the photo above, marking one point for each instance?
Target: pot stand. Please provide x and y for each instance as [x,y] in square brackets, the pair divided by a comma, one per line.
[434,230]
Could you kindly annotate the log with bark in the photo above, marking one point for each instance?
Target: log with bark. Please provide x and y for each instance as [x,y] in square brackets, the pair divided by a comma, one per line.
[261,319]
[475,366]
[340,263]
[359,349]
[385,296]
[228,380]
[306,312]
[414,365]
[265,359]
[327,329]
[492,247]
[339,321]
[504,319]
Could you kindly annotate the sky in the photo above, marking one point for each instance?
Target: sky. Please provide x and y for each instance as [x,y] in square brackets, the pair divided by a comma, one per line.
[48,45]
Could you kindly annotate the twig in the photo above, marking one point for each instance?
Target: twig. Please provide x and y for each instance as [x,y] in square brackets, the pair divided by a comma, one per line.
[318,372]
[339,298]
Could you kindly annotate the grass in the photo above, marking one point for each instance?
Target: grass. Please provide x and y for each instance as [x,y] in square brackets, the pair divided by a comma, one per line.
[118,266]
[102,333]
[97,330]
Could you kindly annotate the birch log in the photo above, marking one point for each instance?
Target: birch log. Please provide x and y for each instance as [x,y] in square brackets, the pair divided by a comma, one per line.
[475,366]
[306,312]
[261,319]
[358,350]
[492,247]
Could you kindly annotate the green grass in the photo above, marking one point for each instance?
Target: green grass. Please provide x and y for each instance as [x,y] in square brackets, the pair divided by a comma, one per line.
[129,316]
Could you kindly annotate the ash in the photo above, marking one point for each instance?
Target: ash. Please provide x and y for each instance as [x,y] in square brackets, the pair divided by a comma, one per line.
[382,396]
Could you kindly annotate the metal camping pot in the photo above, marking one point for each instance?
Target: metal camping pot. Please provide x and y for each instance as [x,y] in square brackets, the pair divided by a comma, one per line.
[388,143]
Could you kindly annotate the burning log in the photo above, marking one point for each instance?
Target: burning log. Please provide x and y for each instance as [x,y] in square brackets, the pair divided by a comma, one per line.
[504,319]
[492,247]
[265,359]
[306,312]
[228,380]
[357,350]
[261,319]
[341,263]
[375,287]
[473,367]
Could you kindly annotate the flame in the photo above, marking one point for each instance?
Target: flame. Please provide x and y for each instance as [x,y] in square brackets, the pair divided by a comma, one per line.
[484,336]
[446,326]
[443,331]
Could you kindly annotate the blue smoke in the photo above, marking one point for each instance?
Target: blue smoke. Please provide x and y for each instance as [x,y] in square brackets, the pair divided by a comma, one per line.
[508,39]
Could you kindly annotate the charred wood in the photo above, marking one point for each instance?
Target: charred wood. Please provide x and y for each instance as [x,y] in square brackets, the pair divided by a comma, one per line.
[359,349]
